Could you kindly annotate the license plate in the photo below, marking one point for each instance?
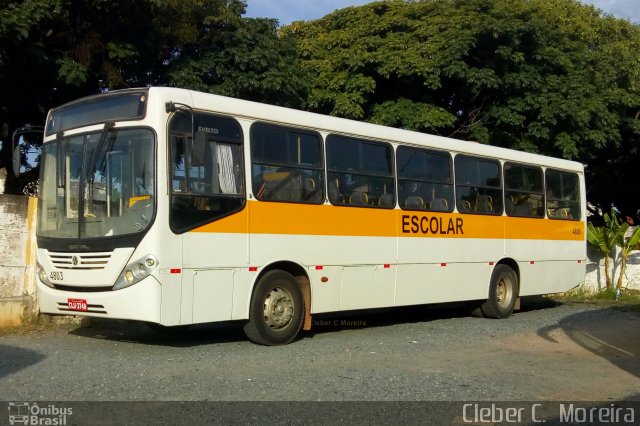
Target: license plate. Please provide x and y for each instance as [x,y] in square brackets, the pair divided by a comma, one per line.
[77,305]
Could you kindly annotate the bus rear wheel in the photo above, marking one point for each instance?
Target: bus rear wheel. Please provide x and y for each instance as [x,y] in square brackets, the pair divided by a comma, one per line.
[503,291]
[276,310]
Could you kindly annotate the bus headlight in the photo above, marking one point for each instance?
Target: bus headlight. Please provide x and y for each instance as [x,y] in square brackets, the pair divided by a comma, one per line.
[136,271]
[42,276]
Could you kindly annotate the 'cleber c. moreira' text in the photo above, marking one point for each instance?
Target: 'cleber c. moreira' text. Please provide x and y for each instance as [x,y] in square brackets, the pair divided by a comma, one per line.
[413,224]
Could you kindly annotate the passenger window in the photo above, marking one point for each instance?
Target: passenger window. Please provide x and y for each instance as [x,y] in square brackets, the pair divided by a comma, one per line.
[478,185]
[424,180]
[563,195]
[286,165]
[524,190]
[360,173]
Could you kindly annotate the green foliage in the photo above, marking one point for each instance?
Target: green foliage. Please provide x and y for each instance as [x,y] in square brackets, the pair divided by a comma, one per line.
[612,235]
[606,238]
[627,246]
[406,113]
[582,294]
[234,56]
[71,72]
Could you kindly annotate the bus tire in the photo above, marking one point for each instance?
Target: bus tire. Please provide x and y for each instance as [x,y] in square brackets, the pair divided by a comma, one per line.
[503,292]
[276,310]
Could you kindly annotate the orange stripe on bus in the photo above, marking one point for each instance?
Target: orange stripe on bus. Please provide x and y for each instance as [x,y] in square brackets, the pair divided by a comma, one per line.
[304,219]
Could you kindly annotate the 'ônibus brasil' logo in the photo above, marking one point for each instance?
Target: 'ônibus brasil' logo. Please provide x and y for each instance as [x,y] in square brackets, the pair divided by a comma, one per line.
[24,413]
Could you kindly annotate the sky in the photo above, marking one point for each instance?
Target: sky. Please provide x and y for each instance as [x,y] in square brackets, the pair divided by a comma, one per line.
[287,11]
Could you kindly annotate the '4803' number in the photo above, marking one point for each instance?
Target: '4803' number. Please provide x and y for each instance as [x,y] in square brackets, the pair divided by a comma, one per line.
[56,276]
[577,231]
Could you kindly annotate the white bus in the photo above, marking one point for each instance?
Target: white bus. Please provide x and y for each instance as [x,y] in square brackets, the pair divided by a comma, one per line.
[176,207]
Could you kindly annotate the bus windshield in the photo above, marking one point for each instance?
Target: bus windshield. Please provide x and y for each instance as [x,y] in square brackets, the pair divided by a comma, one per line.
[97,184]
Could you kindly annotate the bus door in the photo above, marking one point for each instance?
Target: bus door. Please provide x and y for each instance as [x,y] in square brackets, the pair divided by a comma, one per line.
[207,210]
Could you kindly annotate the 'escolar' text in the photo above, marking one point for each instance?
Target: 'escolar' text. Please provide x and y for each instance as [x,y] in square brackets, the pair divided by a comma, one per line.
[432,225]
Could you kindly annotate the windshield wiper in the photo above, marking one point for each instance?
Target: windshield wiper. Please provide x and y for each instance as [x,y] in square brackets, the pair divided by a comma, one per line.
[61,178]
[88,173]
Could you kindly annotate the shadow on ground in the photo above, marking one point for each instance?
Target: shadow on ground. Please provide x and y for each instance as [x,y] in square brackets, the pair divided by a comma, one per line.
[13,359]
[612,333]
[204,334]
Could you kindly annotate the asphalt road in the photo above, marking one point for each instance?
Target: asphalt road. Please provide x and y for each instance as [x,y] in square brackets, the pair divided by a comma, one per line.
[548,351]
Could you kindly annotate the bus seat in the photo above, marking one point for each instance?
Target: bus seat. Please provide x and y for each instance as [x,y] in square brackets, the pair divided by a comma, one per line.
[386,200]
[560,213]
[414,202]
[334,192]
[510,205]
[439,204]
[310,189]
[485,204]
[359,198]
[464,206]
[524,209]
[309,184]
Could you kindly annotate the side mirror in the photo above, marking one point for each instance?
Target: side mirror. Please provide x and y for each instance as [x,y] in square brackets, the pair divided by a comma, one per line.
[22,146]
[16,160]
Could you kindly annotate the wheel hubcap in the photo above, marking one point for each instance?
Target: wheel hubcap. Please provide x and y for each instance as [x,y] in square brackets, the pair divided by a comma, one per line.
[278,308]
[503,292]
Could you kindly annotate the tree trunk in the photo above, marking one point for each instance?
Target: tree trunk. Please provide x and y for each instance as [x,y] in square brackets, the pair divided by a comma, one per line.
[623,267]
[606,272]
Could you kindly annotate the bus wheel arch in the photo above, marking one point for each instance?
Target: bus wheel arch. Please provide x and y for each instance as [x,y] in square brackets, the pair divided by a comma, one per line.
[280,302]
[504,288]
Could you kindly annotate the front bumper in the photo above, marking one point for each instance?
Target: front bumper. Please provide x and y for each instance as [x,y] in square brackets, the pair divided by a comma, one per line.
[140,302]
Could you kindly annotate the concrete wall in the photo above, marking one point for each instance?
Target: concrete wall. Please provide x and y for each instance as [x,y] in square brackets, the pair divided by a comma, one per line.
[595,279]
[17,258]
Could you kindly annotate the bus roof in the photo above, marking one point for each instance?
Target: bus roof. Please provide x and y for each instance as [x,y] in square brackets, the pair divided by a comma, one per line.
[250,110]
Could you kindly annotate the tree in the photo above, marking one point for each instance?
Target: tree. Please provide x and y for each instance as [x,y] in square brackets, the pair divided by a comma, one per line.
[24,71]
[225,54]
[56,50]
[548,76]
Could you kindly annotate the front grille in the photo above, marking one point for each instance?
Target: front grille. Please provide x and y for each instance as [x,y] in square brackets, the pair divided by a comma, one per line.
[81,289]
[79,261]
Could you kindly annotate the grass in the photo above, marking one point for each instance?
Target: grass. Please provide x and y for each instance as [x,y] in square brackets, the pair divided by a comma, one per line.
[626,299]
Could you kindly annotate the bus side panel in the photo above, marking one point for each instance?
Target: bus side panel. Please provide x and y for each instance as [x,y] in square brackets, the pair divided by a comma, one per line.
[214,290]
[433,270]
[367,287]
[548,266]
[211,254]
[550,276]
[243,282]
[325,288]
[442,282]
[328,240]
[359,270]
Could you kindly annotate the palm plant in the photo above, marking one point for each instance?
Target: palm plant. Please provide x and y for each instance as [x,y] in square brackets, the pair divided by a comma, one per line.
[605,238]
[626,248]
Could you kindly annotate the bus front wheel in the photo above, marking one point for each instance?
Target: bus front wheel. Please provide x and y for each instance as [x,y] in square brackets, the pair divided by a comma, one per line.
[503,291]
[276,310]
